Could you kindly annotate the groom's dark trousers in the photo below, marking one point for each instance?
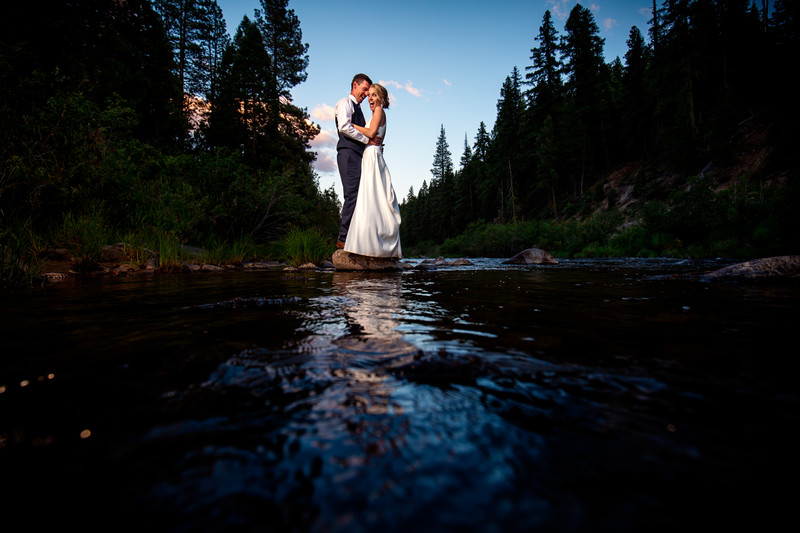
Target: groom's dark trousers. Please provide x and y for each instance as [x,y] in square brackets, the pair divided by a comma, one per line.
[348,158]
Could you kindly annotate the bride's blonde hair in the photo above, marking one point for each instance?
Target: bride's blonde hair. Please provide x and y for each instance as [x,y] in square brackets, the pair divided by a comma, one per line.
[383,94]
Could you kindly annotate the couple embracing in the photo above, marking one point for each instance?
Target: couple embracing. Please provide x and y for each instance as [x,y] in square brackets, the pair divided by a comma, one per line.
[370,214]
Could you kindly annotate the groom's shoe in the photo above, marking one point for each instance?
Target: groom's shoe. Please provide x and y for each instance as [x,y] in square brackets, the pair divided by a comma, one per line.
[339,245]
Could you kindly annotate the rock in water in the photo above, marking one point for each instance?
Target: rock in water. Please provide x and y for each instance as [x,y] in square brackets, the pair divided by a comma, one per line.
[532,256]
[780,267]
[347,261]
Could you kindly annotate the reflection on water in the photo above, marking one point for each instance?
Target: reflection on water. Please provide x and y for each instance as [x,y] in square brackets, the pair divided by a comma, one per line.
[585,396]
[372,306]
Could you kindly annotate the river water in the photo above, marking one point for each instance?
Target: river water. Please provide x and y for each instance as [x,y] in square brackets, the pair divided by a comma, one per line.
[592,395]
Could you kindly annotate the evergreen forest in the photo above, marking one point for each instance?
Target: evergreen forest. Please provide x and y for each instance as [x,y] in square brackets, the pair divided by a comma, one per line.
[144,122]
[697,122]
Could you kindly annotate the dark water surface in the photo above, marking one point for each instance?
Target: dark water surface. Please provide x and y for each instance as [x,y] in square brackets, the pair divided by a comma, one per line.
[593,395]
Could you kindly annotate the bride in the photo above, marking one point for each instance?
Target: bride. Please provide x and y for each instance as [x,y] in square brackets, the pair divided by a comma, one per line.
[375,226]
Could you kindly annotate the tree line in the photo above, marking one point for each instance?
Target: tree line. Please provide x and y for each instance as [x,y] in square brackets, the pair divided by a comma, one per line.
[571,117]
[145,122]
[146,118]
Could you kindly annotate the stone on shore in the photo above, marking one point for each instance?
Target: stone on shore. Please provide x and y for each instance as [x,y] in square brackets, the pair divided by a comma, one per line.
[532,256]
[353,262]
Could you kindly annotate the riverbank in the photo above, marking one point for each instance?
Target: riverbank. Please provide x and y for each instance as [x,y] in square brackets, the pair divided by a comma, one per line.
[59,265]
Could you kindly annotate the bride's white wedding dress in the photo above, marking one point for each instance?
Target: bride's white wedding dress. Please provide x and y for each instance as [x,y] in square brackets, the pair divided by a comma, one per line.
[375,226]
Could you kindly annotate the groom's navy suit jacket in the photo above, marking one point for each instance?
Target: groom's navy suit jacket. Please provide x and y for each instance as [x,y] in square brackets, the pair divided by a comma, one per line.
[347,142]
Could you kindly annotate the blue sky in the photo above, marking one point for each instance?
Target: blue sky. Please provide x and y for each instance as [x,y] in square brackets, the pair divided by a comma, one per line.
[443,63]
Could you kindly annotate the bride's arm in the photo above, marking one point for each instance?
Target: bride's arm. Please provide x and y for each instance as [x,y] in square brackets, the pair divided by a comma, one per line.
[374,123]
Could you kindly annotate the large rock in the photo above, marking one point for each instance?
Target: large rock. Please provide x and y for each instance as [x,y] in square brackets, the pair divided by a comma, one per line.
[347,261]
[532,256]
[780,267]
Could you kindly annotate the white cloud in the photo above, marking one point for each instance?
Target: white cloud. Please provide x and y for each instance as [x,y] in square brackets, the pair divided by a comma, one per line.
[447,82]
[609,23]
[408,87]
[323,112]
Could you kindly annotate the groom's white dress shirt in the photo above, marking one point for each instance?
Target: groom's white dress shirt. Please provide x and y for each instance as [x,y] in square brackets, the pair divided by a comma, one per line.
[344,111]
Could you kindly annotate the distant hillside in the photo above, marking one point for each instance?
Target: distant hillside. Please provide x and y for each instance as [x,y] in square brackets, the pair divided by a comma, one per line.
[750,163]
[752,186]
[745,203]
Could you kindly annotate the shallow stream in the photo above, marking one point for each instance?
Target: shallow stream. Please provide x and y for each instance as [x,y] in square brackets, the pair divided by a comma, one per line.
[592,395]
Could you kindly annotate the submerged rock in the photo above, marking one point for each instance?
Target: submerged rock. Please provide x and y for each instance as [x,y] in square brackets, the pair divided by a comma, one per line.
[532,256]
[779,267]
[347,261]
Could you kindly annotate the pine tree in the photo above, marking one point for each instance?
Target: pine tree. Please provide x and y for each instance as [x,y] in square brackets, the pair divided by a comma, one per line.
[484,186]
[442,159]
[426,218]
[676,73]
[544,73]
[482,142]
[582,48]
[546,175]
[215,39]
[206,69]
[506,150]
[245,115]
[545,102]
[636,96]
[785,33]
[198,36]
[441,187]
[183,20]
[283,40]
[741,70]
[465,190]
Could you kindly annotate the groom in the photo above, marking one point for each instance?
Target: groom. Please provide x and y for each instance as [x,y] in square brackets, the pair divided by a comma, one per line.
[350,147]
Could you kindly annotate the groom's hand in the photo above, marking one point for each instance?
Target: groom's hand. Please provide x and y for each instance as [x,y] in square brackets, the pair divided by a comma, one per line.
[376,141]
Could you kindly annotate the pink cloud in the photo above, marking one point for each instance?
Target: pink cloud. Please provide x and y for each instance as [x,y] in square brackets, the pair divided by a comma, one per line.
[324,139]
[325,162]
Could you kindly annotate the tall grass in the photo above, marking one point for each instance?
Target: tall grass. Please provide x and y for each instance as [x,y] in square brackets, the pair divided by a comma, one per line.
[165,246]
[301,246]
[19,263]
[136,249]
[171,254]
[84,236]
[217,252]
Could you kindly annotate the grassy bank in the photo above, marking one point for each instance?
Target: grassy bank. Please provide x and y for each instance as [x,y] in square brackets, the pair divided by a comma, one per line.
[84,240]
[691,221]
